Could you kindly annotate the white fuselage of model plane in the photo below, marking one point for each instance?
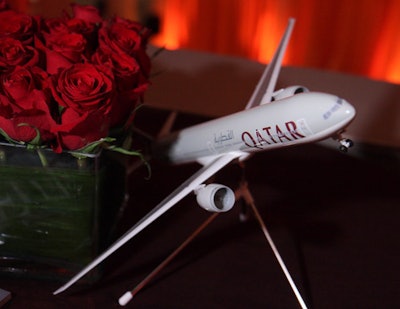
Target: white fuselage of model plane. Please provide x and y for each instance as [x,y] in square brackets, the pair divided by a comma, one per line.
[299,119]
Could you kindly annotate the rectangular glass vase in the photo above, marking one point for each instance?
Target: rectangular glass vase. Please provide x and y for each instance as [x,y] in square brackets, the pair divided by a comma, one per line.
[57,211]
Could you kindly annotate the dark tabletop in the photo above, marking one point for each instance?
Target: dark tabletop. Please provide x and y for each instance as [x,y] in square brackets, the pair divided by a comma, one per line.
[334,218]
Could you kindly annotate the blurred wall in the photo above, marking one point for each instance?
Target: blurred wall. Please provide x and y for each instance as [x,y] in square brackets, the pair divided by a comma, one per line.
[353,36]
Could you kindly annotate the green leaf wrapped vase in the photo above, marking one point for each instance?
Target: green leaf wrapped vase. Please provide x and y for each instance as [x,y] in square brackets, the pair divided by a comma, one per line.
[54,219]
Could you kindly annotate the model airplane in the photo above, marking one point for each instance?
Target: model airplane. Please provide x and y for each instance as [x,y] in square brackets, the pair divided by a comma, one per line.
[271,119]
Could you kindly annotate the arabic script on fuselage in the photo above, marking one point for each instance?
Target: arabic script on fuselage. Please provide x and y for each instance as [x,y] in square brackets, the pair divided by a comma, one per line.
[223,137]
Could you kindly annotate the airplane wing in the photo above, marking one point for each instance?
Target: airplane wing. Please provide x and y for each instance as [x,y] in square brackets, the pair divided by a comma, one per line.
[183,190]
[266,85]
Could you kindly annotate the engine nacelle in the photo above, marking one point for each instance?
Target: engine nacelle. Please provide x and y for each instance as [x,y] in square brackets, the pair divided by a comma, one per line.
[288,92]
[215,197]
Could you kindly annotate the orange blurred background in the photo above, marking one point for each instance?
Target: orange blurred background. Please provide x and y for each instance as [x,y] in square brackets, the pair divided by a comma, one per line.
[360,37]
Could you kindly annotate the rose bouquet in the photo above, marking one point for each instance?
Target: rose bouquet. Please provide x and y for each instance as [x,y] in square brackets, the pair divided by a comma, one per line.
[69,83]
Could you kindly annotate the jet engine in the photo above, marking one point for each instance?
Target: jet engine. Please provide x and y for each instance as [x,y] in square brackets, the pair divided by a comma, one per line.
[215,197]
[288,92]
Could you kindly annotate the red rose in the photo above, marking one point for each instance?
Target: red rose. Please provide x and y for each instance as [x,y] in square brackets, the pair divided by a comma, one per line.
[130,84]
[73,25]
[18,83]
[18,26]
[122,47]
[85,92]
[24,124]
[88,30]
[84,87]
[120,39]
[87,13]
[70,45]
[122,36]
[55,24]
[77,130]
[62,49]
[13,53]
[125,68]
[25,109]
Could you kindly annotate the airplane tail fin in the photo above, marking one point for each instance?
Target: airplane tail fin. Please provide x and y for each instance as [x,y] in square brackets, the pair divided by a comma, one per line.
[266,85]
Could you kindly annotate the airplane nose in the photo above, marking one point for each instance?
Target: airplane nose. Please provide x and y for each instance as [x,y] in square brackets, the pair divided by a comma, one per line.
[340,112]
[336,114]
[348,111]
